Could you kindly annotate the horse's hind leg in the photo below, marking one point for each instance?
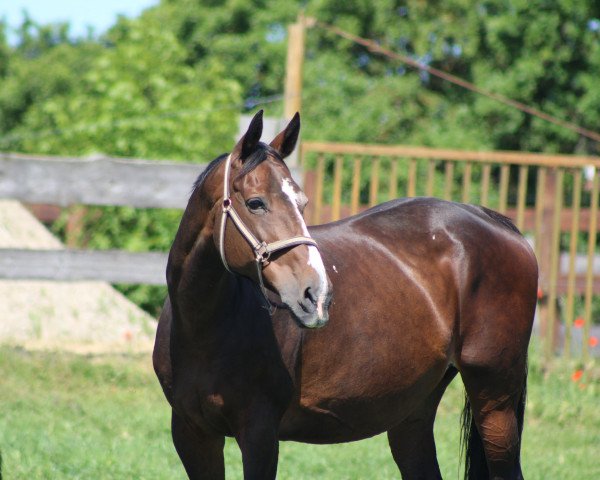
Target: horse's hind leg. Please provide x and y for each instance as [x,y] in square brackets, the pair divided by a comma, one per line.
[497,401]
[412,442]
[201,455]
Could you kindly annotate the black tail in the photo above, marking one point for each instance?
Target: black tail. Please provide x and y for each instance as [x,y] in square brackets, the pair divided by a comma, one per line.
[521,414]
[472,446]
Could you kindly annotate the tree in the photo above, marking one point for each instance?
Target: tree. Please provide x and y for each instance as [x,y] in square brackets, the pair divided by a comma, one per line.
[138,99]
[43,64]
[540,52]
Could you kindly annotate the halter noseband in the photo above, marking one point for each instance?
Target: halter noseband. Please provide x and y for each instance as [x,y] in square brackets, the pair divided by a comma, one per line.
[262,250]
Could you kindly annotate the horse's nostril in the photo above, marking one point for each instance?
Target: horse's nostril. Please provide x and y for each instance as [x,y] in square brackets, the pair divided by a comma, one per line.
[308,294]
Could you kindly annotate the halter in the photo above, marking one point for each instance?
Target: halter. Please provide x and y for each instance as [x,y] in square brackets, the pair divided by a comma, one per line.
[262,250]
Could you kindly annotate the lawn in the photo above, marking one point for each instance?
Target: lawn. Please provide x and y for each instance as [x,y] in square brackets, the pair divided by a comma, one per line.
[64,416]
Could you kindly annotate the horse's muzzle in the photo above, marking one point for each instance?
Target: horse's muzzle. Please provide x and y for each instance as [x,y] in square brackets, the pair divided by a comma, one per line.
[312,310]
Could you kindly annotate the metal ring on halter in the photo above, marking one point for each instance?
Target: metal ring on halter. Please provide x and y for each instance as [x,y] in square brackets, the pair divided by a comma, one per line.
[262,253]
[262,250]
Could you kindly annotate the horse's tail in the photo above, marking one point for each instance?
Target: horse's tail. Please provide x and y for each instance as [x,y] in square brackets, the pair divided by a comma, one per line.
[471,444]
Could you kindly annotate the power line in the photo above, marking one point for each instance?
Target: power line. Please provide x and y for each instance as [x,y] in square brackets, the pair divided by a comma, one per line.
[374,47]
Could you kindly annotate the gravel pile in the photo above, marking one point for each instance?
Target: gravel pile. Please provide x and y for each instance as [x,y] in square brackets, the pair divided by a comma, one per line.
[83,317]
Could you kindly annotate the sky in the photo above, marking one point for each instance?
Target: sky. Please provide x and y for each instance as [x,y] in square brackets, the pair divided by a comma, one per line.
[99,14]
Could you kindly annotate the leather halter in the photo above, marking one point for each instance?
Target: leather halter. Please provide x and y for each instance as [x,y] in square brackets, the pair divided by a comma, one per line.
[262,250]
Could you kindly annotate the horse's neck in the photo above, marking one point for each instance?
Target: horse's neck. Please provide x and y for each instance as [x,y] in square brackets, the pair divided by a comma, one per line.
[215,312]
[198,282]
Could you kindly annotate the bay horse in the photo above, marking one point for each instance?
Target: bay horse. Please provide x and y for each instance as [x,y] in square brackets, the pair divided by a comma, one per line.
[252,345]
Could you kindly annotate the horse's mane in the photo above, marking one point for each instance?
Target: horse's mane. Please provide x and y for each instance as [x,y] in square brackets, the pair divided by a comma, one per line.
[259,155]
[207,171]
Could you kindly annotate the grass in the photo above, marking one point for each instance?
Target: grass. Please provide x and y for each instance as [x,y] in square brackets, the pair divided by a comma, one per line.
[65,416]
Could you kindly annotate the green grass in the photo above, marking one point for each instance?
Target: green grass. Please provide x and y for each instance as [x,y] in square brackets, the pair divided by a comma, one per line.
[65,416]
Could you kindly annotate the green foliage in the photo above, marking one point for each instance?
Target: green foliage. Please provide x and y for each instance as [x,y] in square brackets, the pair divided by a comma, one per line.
[31,75]
[137,99]
[542,53]
[539,53]
[248,34]
[4,50]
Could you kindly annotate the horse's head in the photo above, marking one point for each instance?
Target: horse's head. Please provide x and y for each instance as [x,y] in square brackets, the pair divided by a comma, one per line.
[259,228]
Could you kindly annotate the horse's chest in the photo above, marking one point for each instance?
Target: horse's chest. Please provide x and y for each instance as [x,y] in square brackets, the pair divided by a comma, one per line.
[197,395]
[205,408]
[215,395]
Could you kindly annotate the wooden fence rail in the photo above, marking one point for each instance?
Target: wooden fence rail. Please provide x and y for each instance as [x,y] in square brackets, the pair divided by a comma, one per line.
[92,181]
[113,266]
[96,181]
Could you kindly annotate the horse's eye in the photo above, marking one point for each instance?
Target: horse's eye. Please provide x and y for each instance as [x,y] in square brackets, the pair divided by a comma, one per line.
[256,205]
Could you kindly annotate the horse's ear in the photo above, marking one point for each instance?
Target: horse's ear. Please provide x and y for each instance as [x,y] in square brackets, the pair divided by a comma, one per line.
[250,139]
[285,142]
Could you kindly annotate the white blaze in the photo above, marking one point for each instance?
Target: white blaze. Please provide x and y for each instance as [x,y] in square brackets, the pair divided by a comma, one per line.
[314,257]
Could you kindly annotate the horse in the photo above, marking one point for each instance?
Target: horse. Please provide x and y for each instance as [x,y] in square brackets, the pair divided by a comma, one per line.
[334,333]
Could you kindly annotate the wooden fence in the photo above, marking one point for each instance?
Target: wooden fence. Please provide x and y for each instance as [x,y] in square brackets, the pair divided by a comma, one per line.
[92,181]
[553,199]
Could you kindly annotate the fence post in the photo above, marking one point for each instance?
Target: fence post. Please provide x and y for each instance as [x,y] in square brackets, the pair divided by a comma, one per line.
[544,250]
[293,72]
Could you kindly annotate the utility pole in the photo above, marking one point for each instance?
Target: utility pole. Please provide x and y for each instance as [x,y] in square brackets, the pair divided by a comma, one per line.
[295,61]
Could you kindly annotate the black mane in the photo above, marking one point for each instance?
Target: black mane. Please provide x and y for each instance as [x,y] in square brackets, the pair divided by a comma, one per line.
[258,156]
[209,168]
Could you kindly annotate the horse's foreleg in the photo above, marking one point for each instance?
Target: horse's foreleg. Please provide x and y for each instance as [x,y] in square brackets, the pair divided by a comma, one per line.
[201,455]
[258,440]
[412,443]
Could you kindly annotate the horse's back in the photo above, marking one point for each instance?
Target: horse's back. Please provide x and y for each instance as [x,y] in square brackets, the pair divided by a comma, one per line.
[423,230]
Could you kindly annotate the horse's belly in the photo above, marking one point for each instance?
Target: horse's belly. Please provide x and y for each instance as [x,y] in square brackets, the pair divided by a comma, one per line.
[355,414]
[305,426]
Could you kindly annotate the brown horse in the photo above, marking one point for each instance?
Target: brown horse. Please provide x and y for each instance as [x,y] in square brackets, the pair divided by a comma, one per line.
[423,289]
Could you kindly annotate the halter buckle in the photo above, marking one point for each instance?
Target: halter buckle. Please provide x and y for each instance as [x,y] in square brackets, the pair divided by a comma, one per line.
[262,253]
[226,205]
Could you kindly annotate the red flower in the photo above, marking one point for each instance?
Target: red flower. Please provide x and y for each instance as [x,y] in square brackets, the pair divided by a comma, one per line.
[540,294]
[578,323]
[577,374]
[593,342]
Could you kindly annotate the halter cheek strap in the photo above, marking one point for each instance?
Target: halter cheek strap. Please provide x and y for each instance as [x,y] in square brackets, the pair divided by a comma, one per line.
[262,250]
